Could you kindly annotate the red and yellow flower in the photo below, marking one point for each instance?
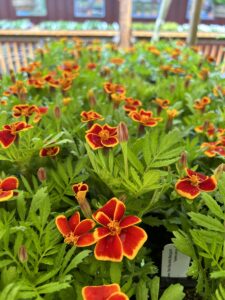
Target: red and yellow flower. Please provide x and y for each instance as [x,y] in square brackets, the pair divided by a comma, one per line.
[80,191]
[74,231]
[131,104]
[18,89]
[111,88]
[103,292]
[204,74]
[118,235]
[69,66]
[7,187]
[200,104]
[89,116]
[91,66]
[102,136]
[194,183]
[10,133]
[49,151]
[26,110]
[212,149]
[154,50]
[117,61]
[145,117]
[161,104]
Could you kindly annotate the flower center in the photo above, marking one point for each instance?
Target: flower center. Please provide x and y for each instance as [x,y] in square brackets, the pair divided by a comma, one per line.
[144,119]
[71,239]
[13,129]
[194,180]
[50,152]
[104,135]
[114,227]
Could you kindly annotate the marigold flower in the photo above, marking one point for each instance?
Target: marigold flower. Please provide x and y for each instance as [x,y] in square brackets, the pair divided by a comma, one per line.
[177,70]
[91,66]
[213,148]
[103,292]
[90,115]
[165,69]
[144,117]
[26,110]
[80,191]
[74,231]
[117,61]
[200,104]
[7,187]
[49,151]
[3,102]
[69,66]
[154,50]
[208,128]
[37,81]
[204,74]
[218,90]
[117,99]
[101,136]
[111,88]
[10,133]
[18,89]
[162,104]
[118,237]
[131,104]
[172,113]
[195,183]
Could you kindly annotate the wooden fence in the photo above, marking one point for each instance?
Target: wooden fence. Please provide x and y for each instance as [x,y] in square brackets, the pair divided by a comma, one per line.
[18,47]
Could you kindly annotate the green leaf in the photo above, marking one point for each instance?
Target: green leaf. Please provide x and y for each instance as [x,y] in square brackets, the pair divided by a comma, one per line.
[213,206]
[75,261]
[154,288]
[183,243]
[174,291]
[115,272]
[52,287]
[21,206]
[207,222]
[142,291]
[217,274]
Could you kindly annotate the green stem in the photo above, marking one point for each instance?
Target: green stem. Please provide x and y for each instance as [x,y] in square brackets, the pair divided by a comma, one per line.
[125,159]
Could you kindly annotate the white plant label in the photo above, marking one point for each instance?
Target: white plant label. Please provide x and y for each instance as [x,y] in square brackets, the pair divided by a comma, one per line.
[174,263]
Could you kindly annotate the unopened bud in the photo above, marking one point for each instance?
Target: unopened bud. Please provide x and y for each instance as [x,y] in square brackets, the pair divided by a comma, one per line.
[219,171]
[183,160]
[41,174]
[22,254]
[57,112]
[122,132]
[91,98]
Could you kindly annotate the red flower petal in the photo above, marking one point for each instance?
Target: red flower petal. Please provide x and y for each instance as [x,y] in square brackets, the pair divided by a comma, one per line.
[200,176]
[186,189]
[101,218]
[109,248]
[62,225]
[220,150]
[111,130]
[208,185]
[151,123]
[84,226]
[101,232]
[50,151]
[109,208]
[129,221]
[146,113]
[85,240]
[10,183]
[118,296]
[135,116]
[132,239]
[43,110]
[5,195]
[94,141]
[101,292]
[74,220]
[6,138]
[119,211]
[21,126]
[110,142]
[96,128]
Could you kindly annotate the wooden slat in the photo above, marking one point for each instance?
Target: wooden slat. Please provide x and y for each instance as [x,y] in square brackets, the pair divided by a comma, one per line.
[30,50]
[9,56]
[16,57]
[2,60]
[220,55]
[23,54]
[206,50]
[213,51]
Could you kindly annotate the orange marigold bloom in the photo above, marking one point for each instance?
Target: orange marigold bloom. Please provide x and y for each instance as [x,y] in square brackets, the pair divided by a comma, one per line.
[208,128]
[18,89]
[69,66]
[131,104]
[162,104]
[117,61]
[213,148]
[204,73]
[91,66]
[177,70]
[10,133]
[26,110]
[172,113]
[66,101]
[3,102]
[80,190]
[118,236]
[111,88]
[144,117]
[218,90]
[103,292]
[200,104]
[117,99]
[154,50]
[90,115]
[195,183]
[102,136]
[74,231]
[49,151]
[7,187]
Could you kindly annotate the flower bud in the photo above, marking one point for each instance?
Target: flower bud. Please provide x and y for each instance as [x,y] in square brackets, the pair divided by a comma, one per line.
[57,112]
[41,174]
[91,98]
[183,160]
[122,132]
[22,254]
[219,171]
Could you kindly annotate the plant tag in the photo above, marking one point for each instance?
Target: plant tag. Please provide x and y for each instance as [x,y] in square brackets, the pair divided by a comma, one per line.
[174,263]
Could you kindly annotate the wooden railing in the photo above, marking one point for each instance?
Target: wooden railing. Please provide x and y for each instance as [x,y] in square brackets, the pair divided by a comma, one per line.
[17,47]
